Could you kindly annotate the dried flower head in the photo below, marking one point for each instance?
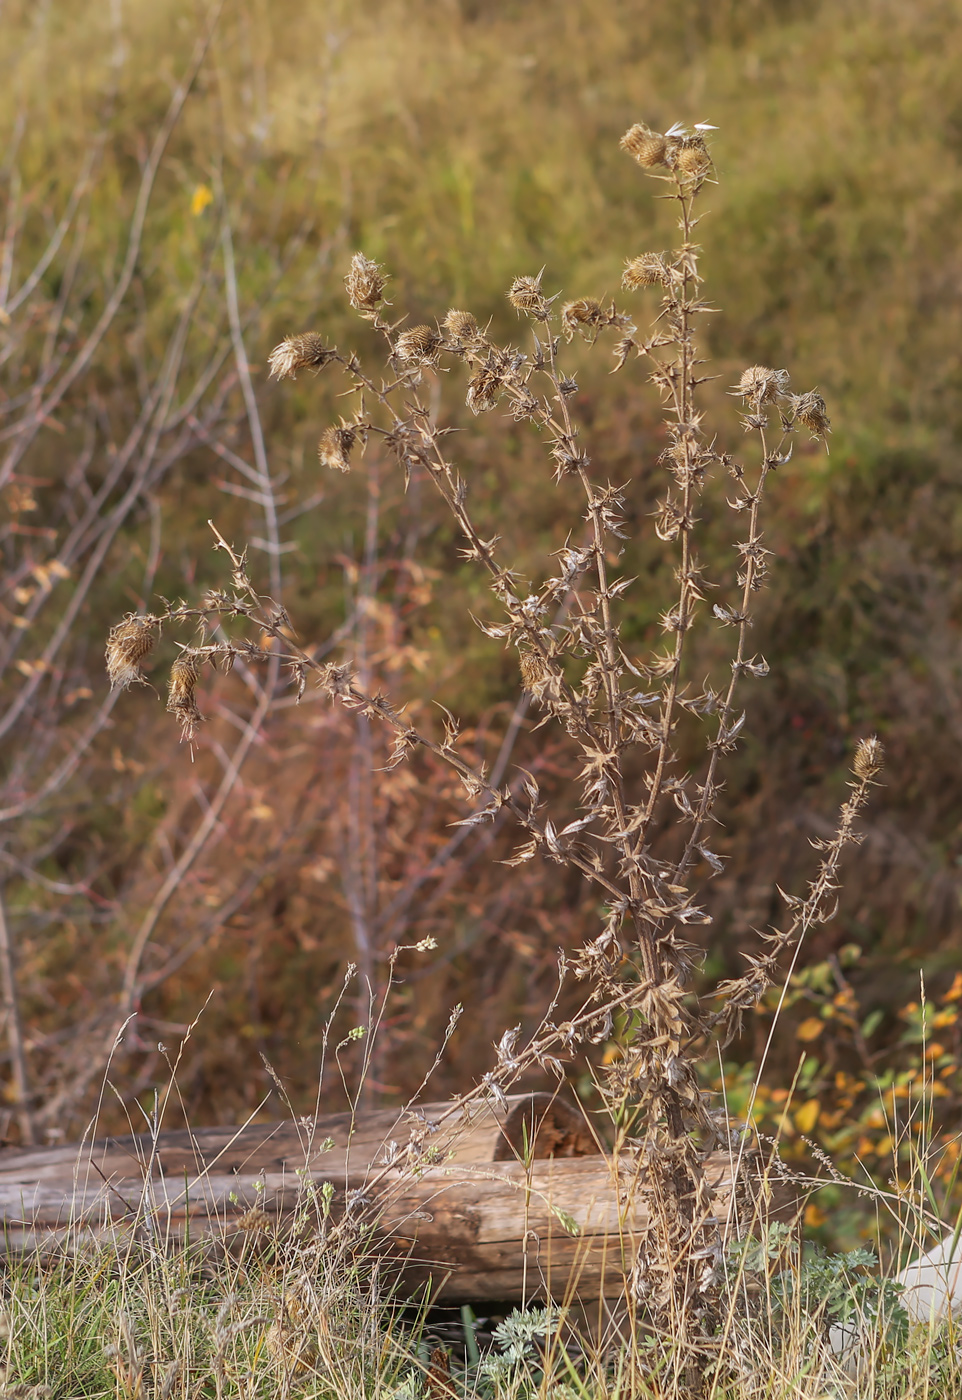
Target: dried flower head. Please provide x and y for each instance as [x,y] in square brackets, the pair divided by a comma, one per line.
[810,409]
[180,693]
[417,346]
[365,283]
[485,386]
[460,327]
[127,646]
[334,448]
[692,162]
[306,351]
[534,670]
[525,295]
[584,314]
[648,147]
[759,385]
[648,270]
[869,757]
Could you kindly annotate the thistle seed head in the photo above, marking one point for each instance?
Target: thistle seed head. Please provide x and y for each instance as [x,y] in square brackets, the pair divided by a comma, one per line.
[460,327]
[180,694]
[525,295]
[334,448]
[306,351]
[128,644]
[869,757]
[584,314]
[648,147]
[418,346]
[534,671]
[759,385]
[692,162]
[365,283]
[810,410]
[484,388]
[648,270]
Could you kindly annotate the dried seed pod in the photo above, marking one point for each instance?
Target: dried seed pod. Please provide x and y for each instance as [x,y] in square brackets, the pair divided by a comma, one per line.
[460,327]
[334,448]
[583,314]
[525,295]
[180,693]
[810,410]
[365,283]
[648,270]
[760,385]
[648,147]
[306,351]
[128,644]
[869,757]
[419,345]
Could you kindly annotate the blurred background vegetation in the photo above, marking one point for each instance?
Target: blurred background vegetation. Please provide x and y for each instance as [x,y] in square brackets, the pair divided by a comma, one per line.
[462,144]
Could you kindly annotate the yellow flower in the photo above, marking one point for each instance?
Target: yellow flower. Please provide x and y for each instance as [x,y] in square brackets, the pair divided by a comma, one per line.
[199,200]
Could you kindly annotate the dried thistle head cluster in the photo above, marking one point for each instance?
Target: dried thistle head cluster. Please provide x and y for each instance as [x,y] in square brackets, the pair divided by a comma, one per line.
[762,388]
[622,708]
[683,153]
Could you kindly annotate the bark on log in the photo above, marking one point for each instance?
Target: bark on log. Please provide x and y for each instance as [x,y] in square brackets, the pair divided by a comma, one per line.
[458,1205]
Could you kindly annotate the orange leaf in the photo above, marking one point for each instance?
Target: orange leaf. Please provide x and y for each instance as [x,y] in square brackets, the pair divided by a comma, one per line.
[810,1029]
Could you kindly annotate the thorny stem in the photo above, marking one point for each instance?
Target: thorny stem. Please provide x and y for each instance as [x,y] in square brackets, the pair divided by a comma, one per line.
[683,409]
[610,670]
[707,800]
[338,684]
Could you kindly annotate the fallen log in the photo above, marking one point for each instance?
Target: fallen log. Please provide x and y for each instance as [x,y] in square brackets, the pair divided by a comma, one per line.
[514,1203]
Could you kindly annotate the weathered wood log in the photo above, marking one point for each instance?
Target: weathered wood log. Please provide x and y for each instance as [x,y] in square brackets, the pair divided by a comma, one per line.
[512,1205]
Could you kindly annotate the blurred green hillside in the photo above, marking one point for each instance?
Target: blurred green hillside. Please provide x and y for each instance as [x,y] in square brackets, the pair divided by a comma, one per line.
[463,143]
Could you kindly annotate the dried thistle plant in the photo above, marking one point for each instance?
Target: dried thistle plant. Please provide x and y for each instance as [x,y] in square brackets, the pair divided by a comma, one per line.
[617,706]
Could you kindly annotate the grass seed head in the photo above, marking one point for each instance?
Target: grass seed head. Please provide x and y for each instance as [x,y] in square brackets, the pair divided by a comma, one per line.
[869,757]
[648,147]
[128,644]
[254,1221]
[419,345]
[334,448]
[306,351]
[365,283]
[648,270]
